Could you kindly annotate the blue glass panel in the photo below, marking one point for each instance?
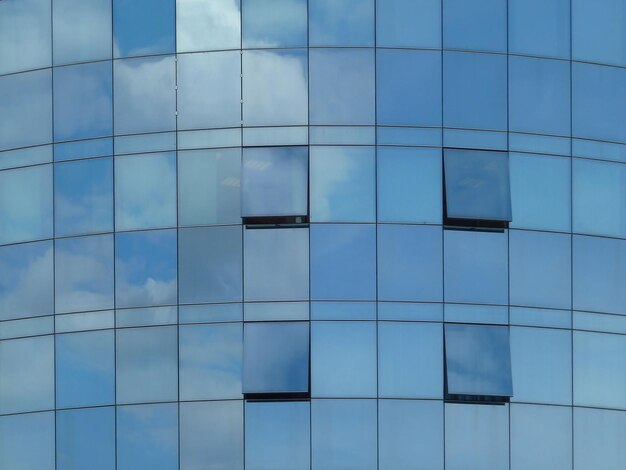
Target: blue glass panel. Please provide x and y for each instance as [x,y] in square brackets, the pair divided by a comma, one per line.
[343,359]
[539,27]
[202,26]
[479,25]
[147,437]
[143,27]
[410,263]
[408,88]
[27,441]
[276,357]
[408,23]
[86,439]
[342,86]
[278,436]
[598,439]
[345,23]
[264,27]
[343,184]
[343,262]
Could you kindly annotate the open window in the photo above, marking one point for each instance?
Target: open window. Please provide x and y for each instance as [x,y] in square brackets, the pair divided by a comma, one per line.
[476,189]
[275,187]
[477,364]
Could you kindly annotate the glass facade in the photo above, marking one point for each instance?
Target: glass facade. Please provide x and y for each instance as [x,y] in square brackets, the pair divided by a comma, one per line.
[312,234]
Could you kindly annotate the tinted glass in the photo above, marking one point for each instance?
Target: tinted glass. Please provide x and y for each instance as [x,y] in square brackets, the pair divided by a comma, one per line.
[143,27]
[346,23]
[202,26]
[467,26]
[539,27]
[27,441]
[262,27]
[408,23]
[598,437]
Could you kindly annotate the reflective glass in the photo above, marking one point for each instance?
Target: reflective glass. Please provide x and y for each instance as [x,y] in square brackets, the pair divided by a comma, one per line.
[278,436]
[143,27]
[26,103]
[344,435]
[83,101]
[345,23]
[209,187]
[274,23]
[477,185]
[599,365]
[83,197]
[598,31]
[204,26]
[541,361]
[408,23]
[209,90]
[26,280]
[478,360]
[147,364]
[210,265]
[26,204]
[84,274]
[145,268]
[342,86]
[27,441]
[275,181]
[275,87]
[86,439]
[599,437]
[410,435]
[147,437]
[145,94]
[25,37]
[540,192]
[475,88]
[410,263]
[276,357]
[82,30]
[539,95]
[145,191]
[27,374]
[409,185]
[599,198]
[276,264]
[343,359]
[539,27]
[479,25]
[210,361]
[408,88]
[343,262]
[409,359]
[343,184]
[211,435]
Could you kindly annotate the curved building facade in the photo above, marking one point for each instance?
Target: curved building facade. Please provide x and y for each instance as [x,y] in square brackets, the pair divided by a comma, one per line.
[334,234]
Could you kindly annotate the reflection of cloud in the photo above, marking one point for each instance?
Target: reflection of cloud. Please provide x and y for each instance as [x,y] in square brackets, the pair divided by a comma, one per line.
[275,23]
[204,25]
[151,292]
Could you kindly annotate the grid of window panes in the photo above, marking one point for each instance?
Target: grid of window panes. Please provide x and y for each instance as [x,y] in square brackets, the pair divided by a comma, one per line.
[128,282]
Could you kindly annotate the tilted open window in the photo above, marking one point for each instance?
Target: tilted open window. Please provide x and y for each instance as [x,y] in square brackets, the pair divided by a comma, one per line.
[477,363]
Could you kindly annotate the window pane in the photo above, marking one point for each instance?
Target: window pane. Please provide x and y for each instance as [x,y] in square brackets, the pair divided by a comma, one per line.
[278,436]
[145,95]
[539,94]
[27,441]
[408,88]
[409,185]
[475,94]
[343,359]
[468,26]
[598,439]
[209,187]
[276,357]
[143,27]
[145,191]
[86,439]
[147,364]
[275,181]
[343,262]
[145,268]
[408,23]
[410,360]
[25,39]
[478,360]
[540,27]
[275,87]
[202,26]
[477,185]
[343,184]
[209,90]
[346,23]
[342,86]
[211,435]
[147,437]
[27,374]
[276,264]
[210,265]
[26,103]
[26,280]
[344,435]
[263,27]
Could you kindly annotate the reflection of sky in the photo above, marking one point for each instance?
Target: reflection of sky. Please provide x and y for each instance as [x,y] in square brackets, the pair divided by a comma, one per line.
[203,26]
[274,23]
[143,27]
[342,23]
[27,441]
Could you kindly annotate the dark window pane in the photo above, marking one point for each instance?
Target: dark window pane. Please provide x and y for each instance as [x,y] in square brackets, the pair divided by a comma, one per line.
[143,27]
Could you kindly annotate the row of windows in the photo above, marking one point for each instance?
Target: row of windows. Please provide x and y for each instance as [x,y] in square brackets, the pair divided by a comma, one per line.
[100,29]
